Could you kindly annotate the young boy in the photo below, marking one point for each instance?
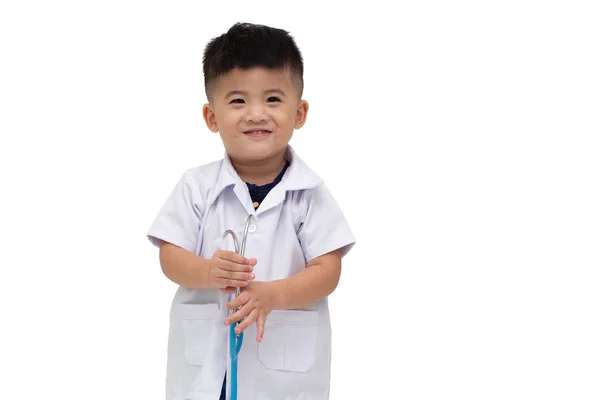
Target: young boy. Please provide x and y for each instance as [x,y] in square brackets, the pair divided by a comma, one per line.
[254,83]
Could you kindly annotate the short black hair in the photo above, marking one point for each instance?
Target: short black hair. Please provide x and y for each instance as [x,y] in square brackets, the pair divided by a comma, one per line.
[245,46]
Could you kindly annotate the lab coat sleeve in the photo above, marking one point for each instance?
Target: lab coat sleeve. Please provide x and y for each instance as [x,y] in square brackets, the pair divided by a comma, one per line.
[178,221]
[324,226]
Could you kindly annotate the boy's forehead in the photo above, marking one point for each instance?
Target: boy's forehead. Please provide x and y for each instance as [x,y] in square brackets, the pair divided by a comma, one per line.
[257,78]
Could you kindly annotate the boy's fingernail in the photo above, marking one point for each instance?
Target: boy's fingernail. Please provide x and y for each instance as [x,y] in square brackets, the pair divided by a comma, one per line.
[226,322]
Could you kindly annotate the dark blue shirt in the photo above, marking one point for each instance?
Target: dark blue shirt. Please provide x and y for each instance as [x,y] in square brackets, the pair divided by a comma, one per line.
[258,193]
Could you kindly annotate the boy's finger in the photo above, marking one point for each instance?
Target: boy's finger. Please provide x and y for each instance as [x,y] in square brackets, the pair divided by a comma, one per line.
[237,316]
[237,276]
[246,322]
[232,266]
[232,256]
[236,258]
[238,301]
[223,282]
[260,328]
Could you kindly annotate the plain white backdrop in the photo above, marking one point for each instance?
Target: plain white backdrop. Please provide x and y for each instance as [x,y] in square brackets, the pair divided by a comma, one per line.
[460,138]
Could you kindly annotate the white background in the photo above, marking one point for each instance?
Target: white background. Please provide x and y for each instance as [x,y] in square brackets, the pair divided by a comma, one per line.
[460,138]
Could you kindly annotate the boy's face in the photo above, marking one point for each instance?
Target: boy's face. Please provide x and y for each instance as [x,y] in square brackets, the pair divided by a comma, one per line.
[255,111]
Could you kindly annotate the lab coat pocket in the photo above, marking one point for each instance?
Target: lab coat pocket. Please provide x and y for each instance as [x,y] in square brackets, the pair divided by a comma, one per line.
[289,341]
[198,321]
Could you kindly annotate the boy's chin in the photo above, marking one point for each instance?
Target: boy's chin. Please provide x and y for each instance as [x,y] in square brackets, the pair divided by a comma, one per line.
[257,153]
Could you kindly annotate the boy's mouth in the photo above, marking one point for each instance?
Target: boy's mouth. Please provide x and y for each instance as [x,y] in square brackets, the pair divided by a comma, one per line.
[257,133]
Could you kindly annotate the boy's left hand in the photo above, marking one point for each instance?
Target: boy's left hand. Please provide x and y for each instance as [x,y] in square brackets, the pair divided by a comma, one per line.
[256,301]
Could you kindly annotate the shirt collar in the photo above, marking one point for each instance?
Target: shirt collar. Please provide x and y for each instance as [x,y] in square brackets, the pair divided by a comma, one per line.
[297,177]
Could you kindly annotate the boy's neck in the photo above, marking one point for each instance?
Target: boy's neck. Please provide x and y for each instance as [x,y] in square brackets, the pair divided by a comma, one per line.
[259,173]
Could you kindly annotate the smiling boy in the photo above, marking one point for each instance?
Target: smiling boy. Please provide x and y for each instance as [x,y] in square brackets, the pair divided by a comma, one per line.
[254,85]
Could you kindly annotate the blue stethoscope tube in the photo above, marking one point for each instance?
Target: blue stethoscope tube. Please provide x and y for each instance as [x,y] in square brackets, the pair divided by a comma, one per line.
[235,339]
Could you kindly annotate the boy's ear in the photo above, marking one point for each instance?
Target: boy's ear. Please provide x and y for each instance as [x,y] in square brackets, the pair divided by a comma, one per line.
[209,117]
[301,114]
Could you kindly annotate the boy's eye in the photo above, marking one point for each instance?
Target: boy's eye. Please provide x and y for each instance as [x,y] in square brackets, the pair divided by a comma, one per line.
[273,99]
[237,101]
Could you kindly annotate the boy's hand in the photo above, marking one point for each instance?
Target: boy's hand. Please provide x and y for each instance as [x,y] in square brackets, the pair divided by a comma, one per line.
[228,269]
[256,301]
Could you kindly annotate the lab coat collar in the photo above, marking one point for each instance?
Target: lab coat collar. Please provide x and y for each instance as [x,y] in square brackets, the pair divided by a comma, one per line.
[297,177]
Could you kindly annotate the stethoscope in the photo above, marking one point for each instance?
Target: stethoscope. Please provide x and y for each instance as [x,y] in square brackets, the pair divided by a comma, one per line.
[236,339]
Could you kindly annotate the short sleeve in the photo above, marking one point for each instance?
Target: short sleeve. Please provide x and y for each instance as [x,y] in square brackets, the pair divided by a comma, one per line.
[178,221]
[324,226]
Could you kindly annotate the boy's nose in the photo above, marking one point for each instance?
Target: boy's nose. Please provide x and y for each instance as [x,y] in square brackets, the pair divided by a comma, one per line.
[256,113]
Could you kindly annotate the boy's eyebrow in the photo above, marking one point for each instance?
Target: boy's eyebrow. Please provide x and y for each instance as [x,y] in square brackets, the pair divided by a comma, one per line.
[243,93]
[235,92]
[277,91]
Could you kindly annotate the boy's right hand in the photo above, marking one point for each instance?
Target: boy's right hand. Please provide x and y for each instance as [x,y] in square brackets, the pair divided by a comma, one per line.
[229,269]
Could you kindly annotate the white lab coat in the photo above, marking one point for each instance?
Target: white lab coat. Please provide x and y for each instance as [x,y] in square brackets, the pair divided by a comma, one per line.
[298,221]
